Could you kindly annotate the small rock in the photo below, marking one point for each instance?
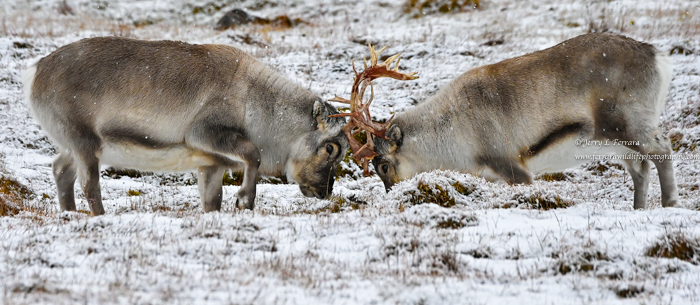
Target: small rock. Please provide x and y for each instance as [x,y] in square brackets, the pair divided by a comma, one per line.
[235,18]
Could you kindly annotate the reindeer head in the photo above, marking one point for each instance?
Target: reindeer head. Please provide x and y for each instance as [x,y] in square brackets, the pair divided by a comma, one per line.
[315,156]
[360,118]
[388,162]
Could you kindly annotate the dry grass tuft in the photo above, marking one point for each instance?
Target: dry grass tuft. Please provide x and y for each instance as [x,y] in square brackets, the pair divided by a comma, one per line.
[581,262]
[678,141]
[208,8]
[238,17]
[445,262]
[680,50]
[236,178]
[479,252]
[115,173]
[419,8]
[676,245]
[626,292]
[456,222]
[14,189]
[12,195]
[7,207]
[229,178]
[601,167]
[696,206]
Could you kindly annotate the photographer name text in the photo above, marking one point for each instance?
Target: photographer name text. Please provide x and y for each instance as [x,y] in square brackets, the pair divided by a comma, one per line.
[606,142]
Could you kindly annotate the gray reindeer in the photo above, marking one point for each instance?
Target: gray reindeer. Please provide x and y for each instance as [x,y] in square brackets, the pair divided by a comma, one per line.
[173,106]
[595,94]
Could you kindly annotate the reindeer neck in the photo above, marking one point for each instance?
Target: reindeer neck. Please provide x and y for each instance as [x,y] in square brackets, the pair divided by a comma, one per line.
[434,134]
[280,112]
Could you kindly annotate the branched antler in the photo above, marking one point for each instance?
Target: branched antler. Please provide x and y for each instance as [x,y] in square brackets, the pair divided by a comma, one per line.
[359,111]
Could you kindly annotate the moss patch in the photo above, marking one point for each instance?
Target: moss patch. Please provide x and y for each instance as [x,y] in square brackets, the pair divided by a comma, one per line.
[338,204]
[464,190]
[553,177]
[540,202]
[233,178]
[426,193]
[279,179]
[349,168]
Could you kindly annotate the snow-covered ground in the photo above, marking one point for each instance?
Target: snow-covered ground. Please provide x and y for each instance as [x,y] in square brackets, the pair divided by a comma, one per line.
[364,246]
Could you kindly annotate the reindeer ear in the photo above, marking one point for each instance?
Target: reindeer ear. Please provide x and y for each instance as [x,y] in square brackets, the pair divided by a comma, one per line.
[321,112]
[395,137]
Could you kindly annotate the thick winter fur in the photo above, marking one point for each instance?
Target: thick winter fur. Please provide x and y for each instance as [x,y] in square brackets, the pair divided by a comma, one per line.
[535,113]
[173,106]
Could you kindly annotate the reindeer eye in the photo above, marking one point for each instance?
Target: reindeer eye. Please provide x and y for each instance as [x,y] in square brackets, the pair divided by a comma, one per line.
[384,168]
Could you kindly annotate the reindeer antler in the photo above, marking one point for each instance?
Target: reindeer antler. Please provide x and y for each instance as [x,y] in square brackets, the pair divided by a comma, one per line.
[359,111]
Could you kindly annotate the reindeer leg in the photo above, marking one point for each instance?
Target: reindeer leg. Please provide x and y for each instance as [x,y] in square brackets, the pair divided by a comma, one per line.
[89,174]
[640,179]
[510,170]
[209,184]
[661,147]
[64,174]
[652,144]
[245,198]
[84,149]
[226,141]
[657,147]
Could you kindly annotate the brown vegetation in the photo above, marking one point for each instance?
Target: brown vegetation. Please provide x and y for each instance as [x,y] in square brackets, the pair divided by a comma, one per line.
[12,195]
[676,245]
[419,8]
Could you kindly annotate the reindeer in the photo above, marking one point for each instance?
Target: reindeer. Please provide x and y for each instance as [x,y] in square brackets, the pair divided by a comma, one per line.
[173,106]
[534,113]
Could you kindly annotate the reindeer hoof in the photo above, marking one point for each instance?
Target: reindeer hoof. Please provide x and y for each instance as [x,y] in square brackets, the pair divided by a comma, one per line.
[244,201]
[670,203]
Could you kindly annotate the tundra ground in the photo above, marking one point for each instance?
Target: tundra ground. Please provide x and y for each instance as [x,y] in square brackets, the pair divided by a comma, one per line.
[439,238]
